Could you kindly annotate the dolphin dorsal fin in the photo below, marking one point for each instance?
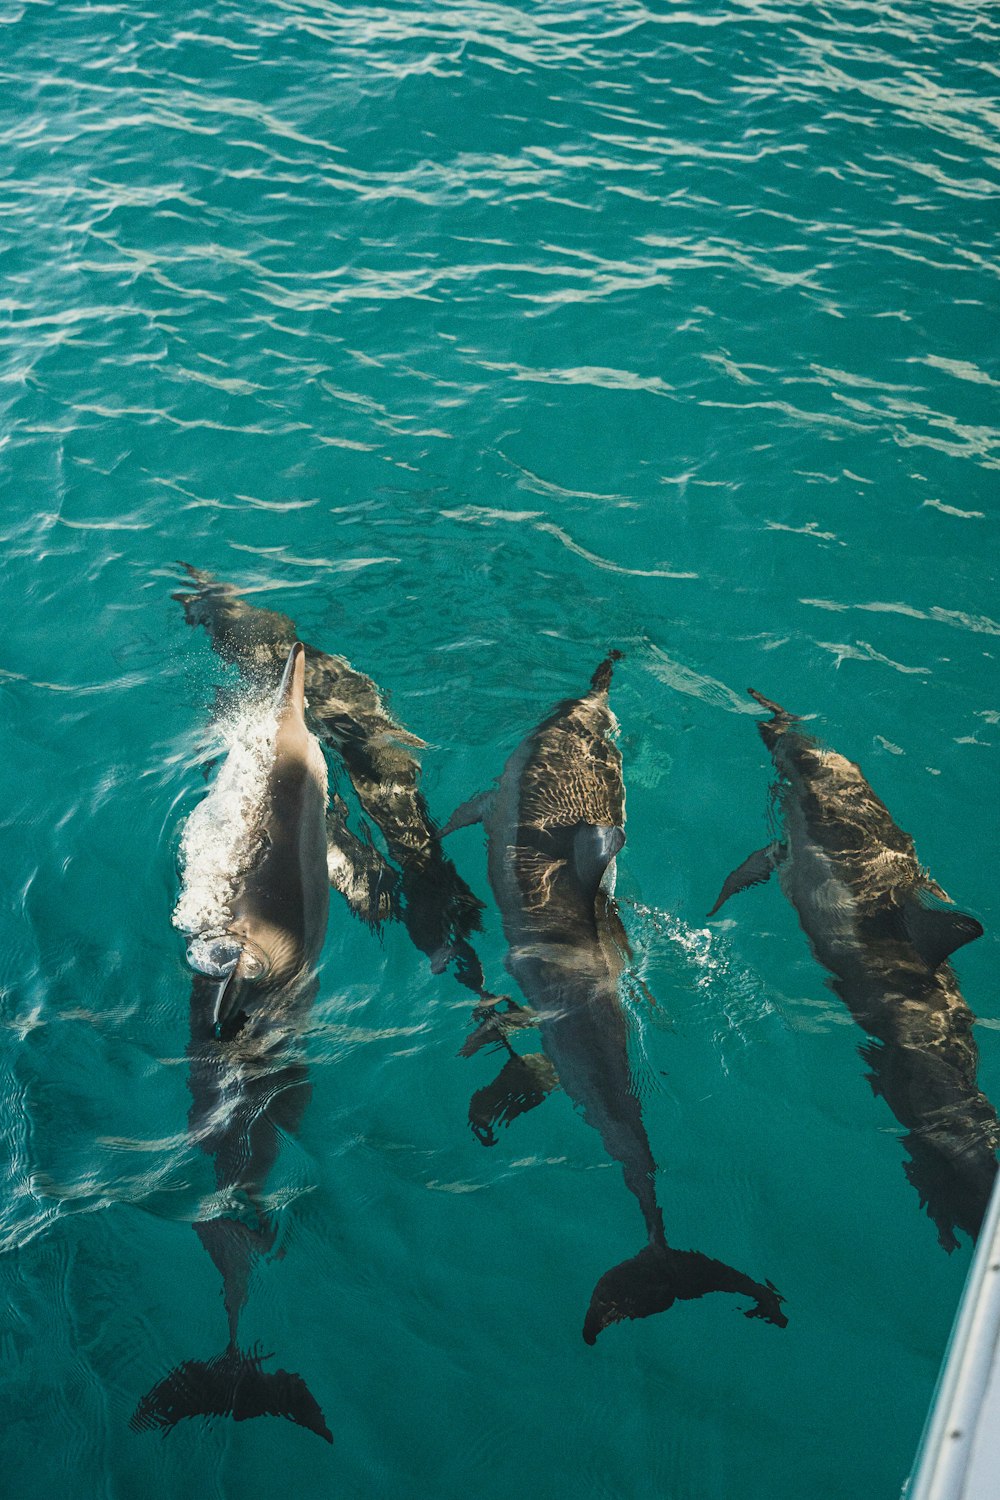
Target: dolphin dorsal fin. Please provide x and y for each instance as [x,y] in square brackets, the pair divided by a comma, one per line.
[594,847]
[936,931]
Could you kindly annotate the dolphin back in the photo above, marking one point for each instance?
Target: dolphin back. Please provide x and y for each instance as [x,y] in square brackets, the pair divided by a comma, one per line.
[234,1384]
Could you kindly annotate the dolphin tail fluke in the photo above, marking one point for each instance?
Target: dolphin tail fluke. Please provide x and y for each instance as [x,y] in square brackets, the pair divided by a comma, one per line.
[658,1276]
[234,1384]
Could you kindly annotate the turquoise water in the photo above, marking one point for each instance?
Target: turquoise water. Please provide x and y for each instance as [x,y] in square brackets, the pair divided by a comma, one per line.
[478,339]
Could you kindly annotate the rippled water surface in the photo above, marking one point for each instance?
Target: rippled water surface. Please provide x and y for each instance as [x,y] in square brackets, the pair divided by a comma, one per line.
[480,339]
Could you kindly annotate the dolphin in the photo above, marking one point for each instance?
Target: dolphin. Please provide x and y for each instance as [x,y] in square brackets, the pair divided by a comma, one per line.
[884,930]
[345,708]
[255,984]
[554,826]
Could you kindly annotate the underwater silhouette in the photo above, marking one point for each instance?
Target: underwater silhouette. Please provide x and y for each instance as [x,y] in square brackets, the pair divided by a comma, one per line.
[345,709]
[555,824]
[885,931]
[251,998]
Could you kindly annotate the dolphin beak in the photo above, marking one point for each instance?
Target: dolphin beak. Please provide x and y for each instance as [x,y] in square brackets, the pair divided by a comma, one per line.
[291,689]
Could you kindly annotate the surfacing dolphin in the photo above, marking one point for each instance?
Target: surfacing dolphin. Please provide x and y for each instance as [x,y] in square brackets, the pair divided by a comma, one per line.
[554,825]
[884,930]
[257,984]
[346,710]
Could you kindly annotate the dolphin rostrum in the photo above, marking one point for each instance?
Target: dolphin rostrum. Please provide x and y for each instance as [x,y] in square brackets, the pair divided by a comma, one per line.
[252,994]
[885,931]
[554,825]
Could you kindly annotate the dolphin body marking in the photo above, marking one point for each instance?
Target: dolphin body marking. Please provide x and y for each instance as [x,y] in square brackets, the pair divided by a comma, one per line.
[554,826]
[884,931]
[246,1089]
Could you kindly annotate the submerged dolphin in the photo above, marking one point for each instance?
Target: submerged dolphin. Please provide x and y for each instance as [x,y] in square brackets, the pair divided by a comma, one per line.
[555,824]
[437,908]
[876,921]
[257,985]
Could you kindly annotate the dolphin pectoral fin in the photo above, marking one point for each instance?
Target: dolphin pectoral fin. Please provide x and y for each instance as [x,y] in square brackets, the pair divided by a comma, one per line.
[936,931]
[521,1084]
[657,1277]
[235,1385]
[755,870]
[492,1025]
[594,847]
[473,811]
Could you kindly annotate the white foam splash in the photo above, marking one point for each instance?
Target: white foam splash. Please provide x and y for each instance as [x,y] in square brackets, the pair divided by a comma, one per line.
[221,836]
[735,998]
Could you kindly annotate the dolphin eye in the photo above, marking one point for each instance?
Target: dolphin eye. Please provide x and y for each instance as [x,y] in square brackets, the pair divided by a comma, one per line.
[253,965]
